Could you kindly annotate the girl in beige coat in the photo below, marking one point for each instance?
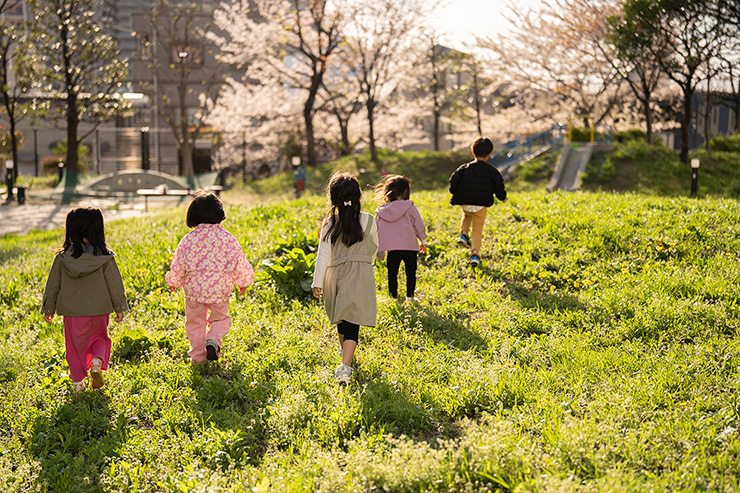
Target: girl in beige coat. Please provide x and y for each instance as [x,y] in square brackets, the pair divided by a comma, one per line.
[344,266]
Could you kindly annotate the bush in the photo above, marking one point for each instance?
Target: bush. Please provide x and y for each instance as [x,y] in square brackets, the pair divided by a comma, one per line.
[6,145]
[50,163]
[726,143]
[292,273]
[631,135]
[579,134]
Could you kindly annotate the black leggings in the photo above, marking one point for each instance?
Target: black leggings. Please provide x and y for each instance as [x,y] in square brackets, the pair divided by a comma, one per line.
[350,331]
[409,258]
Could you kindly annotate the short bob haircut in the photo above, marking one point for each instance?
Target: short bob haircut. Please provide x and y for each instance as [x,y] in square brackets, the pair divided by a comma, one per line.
[206,208]
[482,147]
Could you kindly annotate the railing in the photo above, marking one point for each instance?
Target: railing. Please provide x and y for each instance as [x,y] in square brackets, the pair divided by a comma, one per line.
[525,148]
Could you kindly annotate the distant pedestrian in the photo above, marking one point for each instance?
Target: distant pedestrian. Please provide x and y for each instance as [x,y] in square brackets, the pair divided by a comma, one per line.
[85,287]
[473,186]
[344,267]
[207,264]
[401,232]
[299,173]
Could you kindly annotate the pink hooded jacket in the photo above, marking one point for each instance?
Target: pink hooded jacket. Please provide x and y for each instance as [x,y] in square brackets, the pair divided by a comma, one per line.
[208,263]
[399,227]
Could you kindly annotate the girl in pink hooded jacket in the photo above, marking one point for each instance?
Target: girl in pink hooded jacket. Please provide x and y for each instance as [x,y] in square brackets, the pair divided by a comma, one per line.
[401,232]
[207,264]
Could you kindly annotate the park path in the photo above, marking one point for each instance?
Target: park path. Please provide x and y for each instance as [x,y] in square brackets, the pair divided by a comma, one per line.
[46,215]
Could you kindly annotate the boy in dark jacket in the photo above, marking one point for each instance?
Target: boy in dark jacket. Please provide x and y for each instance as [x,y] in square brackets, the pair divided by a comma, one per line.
[473,186]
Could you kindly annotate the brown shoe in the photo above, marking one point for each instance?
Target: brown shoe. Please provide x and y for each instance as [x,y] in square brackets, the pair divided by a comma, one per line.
[96,377]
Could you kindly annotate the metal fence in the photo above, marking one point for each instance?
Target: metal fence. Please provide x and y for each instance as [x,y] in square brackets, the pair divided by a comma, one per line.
[106,150]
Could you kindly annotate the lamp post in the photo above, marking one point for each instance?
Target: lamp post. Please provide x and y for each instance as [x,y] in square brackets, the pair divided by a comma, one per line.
[145,148]
[9,179]
[694,176]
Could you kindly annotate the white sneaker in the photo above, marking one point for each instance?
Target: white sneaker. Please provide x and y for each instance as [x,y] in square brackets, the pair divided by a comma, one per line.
[343,373]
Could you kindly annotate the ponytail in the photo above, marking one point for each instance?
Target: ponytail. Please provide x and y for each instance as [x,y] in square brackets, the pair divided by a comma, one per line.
[343,216]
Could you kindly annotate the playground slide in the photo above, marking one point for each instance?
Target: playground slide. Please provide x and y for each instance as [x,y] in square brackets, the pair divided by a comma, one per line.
[571,166]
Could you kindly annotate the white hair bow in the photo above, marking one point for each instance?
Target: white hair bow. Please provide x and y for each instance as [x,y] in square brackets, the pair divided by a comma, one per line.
[349,202]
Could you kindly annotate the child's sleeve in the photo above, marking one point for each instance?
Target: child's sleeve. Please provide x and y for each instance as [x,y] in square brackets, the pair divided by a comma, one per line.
[373,232]
[244,270]
[381,253]
[498,185]
[175,277]
[53,285]
[323,254]
[115,286]
[455,180]
[419,227]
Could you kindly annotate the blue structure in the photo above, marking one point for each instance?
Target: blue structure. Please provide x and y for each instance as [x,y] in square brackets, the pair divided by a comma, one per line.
[525,148]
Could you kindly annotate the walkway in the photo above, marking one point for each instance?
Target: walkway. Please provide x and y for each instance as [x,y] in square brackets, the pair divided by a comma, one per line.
[43,214]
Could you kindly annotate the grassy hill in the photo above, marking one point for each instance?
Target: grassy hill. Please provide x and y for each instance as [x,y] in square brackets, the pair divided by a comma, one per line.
[595,349]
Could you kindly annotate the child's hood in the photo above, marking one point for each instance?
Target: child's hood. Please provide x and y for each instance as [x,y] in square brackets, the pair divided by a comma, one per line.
[393,211]
[84,265]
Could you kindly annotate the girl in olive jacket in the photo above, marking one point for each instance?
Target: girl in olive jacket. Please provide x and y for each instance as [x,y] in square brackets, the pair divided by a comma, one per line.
[85,286]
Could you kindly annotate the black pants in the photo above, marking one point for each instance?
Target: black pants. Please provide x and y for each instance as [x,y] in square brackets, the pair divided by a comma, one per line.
[409,258]
[350,331]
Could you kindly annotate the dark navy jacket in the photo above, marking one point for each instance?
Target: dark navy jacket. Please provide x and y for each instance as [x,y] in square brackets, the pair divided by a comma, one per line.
[475,183]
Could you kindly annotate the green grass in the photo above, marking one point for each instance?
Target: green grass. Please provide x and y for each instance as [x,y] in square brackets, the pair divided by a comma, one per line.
[638,167]
[595,349]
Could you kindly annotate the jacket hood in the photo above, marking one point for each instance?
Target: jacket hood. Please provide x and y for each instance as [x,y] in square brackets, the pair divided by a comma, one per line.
[84,265]
[393,211]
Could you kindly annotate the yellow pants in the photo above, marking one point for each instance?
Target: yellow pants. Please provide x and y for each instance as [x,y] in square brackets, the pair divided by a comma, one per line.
[477,219]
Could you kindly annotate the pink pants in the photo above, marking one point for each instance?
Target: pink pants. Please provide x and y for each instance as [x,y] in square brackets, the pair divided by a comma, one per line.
[86,338]
[197,321]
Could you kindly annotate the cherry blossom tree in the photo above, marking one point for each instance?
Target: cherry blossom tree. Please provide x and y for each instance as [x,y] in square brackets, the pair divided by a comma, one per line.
[554,49]
[287,42]
[380,34]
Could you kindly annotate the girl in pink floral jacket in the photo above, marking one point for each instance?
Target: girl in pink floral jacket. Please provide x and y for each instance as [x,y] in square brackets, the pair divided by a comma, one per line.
[208,263]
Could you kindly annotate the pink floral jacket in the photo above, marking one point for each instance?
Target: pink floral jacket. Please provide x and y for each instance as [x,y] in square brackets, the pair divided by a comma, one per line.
[208,263]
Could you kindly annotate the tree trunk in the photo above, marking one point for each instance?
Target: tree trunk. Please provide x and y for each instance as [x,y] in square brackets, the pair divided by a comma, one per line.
[13,146]
[435,130]
[688,94]
[308,117]
[344,132]
[186,146]
[370,106]
[707,120]
[72,160]
[646,110]
[310,143]
[476,102]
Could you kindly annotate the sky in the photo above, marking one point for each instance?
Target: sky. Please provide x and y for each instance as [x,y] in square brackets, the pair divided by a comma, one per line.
[459,20]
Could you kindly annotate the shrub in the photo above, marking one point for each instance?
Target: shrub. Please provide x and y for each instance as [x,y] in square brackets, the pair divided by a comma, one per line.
[726,143]
[136,343]
[292,273]
[631,134]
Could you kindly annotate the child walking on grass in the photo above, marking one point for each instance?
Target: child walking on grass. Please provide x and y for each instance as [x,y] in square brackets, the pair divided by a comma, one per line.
[344,266]
[207,264]
[401,231]
[85,286]
[473,186]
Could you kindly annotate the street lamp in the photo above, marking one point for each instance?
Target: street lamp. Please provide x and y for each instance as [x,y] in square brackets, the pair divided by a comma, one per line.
[694,176]
[145,148]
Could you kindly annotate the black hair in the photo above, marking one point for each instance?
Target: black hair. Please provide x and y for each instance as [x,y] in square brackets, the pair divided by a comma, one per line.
[343,215]
[85,225]
[393,187]
[482,147]
[206,208]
